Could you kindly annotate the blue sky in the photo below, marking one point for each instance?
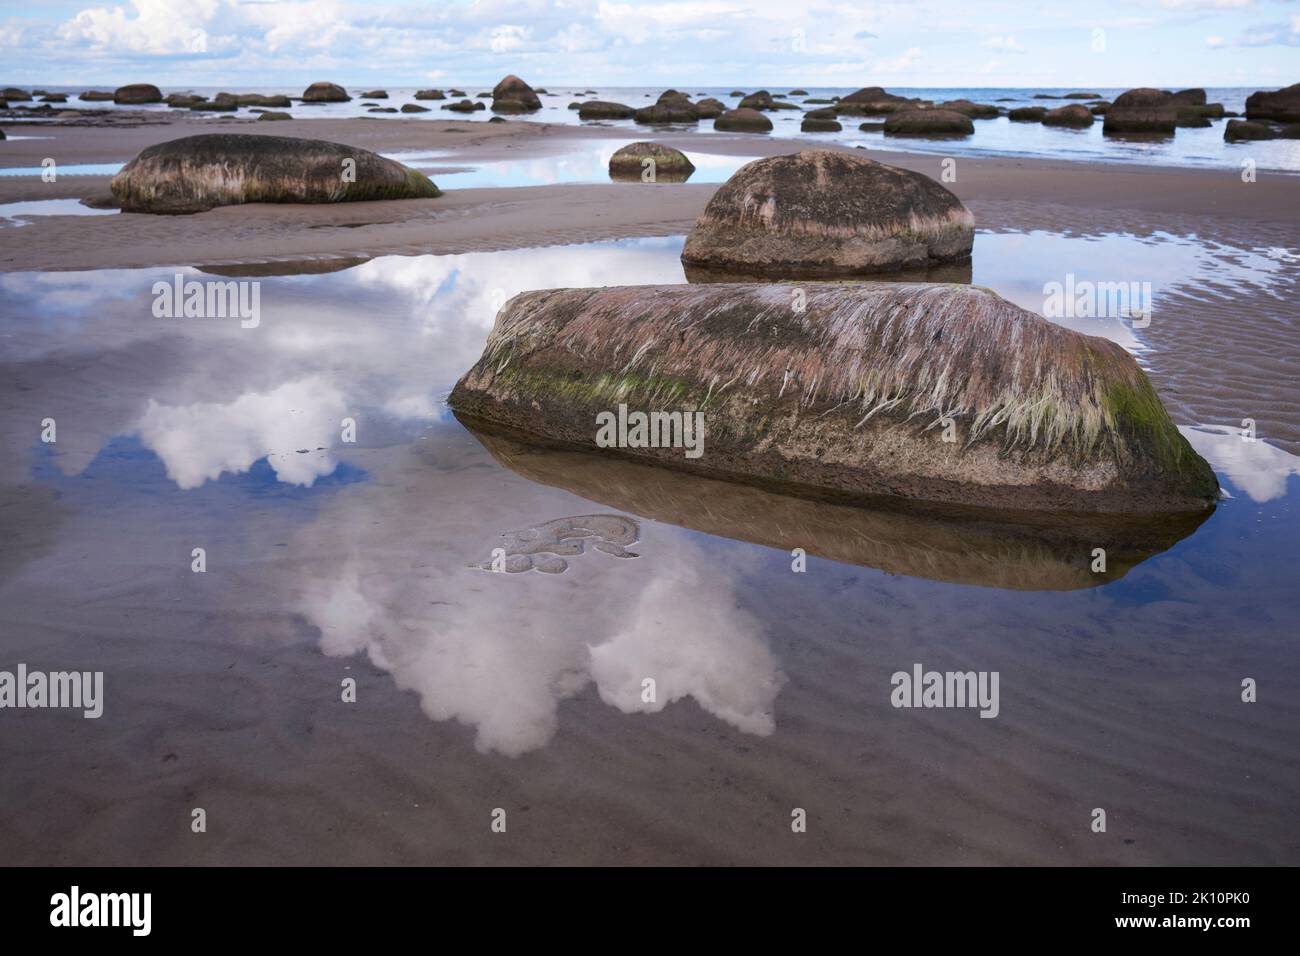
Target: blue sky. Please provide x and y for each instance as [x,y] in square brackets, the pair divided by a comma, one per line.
[1168,43]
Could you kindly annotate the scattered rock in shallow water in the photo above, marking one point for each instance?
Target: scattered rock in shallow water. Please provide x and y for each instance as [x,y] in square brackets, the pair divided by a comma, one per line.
[1075,115]
[672,111]
[1244,131]
[197,173]
[743,121]
[1194,97]
[1143,110]
[463,106]
[325,93]
[544,547]
[430,95]
[134,93]
[849,395]
[270,115]
[973,110]
[1027,114]
[375,95]
[709,108]
[820,121]
[871,128]
[513,95]
[1280,105]
[650,162]
[414,108]
[826,213]
[1082,96]
[929,123]
[873,101]
[602,110]
[96,96]
[13,94]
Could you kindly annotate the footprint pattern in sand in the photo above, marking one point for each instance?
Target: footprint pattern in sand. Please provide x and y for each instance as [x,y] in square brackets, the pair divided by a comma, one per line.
[544,547]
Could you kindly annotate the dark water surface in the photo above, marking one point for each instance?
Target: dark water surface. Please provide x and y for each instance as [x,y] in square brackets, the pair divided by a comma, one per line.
[329,559]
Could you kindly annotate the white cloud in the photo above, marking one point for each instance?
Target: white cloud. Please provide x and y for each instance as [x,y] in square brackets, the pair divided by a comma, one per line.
[1004,44]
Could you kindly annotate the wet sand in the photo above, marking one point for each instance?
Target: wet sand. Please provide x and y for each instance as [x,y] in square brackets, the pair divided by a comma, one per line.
[521,691]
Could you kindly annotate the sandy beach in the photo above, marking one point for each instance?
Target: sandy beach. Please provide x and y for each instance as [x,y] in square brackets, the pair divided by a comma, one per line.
[1003,193]
[479,691]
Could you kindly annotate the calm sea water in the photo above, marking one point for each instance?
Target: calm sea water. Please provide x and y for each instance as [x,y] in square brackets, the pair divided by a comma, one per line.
[329,559]
[996,137]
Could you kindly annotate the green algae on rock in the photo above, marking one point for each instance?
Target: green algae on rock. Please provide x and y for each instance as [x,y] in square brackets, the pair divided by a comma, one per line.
[196,173]
[940,393]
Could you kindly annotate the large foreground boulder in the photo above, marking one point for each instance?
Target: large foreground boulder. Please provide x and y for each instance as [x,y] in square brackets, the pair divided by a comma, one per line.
[136,93]
[650,162]
[513,95]
[1281,105]
[828,213]
[197,173]
[323,92]
[1143,110]
[850,394]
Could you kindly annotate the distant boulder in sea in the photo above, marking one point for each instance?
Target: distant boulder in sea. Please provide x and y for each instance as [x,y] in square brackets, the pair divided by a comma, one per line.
[928,123]
[849,393]
[602,110]
[743,120]
[1076,115]
[671,111]
[197,173]
[827,213]
[323,92]
[1027,114]
[135,93]
[710,108]
[1281,105]
[513,95]
[430,95]
[1142,110]
[973,110]
[820,121]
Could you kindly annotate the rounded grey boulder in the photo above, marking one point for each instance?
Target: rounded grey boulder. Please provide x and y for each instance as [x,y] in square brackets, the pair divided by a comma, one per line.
[828,213]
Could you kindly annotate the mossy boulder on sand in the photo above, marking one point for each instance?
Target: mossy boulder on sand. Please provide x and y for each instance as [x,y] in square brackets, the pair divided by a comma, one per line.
[848,396]
[827,213]
[135,93]
[197,173]
[669,166]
